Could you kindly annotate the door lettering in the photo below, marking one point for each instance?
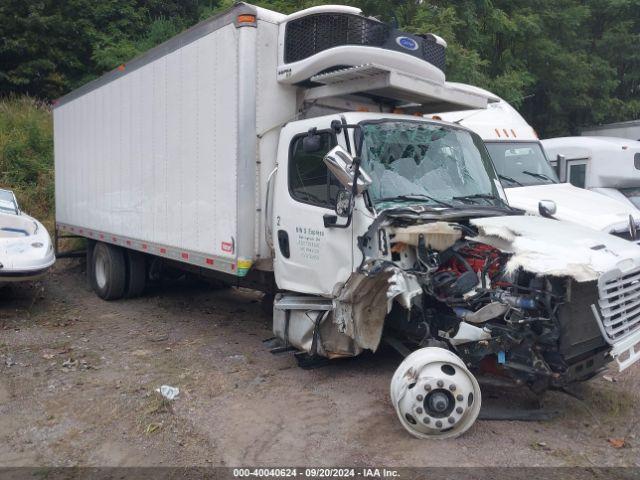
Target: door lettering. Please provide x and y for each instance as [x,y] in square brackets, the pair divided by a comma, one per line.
[308,241]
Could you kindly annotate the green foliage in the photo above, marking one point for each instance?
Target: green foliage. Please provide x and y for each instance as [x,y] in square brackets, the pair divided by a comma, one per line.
[563,63]
[26,154]
[50,47]
[112,53]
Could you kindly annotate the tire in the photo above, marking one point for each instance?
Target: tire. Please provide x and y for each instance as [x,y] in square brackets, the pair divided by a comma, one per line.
[136,274]
[109,271]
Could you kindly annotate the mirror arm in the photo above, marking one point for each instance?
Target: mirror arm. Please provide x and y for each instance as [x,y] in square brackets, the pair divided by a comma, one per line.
[331,221]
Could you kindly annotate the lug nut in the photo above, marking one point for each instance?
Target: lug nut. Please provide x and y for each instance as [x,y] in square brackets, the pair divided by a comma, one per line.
[459,397]
[440,383]
[459,410]
[419,398]
[451,420]
[418,410]
[427,387]
[439,424]
[426,420]
[452,387]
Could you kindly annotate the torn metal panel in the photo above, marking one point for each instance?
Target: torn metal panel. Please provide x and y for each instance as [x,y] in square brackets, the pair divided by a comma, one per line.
[363,303]
[306,323]
[361,308]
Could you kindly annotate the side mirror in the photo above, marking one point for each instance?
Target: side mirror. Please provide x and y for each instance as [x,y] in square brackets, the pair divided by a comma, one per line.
[340,163]
[547,208]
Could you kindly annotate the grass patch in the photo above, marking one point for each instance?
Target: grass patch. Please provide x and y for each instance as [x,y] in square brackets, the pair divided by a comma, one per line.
[26,155]
[157,412]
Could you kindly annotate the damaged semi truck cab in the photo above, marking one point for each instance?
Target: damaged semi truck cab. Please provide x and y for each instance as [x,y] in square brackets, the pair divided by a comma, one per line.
[266,150]
[423,252]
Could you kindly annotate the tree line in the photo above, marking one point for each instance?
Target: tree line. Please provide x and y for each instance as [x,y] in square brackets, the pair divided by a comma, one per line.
[564,64]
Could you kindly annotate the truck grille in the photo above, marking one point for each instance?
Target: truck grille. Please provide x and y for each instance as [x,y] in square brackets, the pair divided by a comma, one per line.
[311,34]
[619,303]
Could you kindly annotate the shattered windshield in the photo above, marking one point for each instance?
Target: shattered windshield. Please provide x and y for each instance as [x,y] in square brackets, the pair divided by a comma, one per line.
[520,164]
[421,162]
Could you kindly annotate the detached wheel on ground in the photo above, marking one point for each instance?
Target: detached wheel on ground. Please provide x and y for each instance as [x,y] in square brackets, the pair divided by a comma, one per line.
[434,394]
[109,271]
[136,274]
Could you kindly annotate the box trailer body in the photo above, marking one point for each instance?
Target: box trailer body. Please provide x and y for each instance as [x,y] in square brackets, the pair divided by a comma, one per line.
[263,148]
[629,130]
[527,174]
[607,165]
[162,154]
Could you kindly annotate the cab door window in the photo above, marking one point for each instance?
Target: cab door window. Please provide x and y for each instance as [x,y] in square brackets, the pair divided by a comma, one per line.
[309,178]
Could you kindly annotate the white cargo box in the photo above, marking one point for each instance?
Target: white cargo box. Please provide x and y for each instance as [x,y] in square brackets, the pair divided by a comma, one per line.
[160,155]
[169,154]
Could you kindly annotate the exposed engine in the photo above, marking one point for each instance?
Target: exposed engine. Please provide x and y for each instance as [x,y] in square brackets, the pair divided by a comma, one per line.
[501,322]
[457,302]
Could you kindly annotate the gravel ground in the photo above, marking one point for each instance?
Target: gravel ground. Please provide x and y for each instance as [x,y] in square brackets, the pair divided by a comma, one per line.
[77,381]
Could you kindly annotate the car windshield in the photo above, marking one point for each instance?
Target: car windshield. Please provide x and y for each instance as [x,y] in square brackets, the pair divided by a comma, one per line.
[521,164]
[422,162]
[633,194]
[8,202]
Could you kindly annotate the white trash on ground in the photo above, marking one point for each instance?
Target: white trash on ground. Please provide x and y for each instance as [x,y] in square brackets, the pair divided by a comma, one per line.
[168,392]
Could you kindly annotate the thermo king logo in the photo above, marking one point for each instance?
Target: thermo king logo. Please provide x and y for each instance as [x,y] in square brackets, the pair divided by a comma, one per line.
[408,43]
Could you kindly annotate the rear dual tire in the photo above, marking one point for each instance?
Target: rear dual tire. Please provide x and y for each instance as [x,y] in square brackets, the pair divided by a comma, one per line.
[114,272]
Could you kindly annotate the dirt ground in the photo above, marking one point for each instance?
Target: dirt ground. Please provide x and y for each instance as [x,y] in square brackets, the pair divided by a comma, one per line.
[77,380]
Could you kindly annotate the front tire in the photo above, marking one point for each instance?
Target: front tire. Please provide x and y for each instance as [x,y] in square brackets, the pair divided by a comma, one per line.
[108,272]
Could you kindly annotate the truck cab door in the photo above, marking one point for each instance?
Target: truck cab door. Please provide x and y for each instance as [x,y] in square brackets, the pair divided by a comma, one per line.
[309,257]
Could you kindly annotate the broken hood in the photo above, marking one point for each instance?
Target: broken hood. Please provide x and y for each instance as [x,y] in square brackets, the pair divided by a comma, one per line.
[576,205]
[552,247]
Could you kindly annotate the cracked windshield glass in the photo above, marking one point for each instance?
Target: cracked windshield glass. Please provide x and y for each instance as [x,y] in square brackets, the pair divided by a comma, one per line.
[521,164]
[419,162]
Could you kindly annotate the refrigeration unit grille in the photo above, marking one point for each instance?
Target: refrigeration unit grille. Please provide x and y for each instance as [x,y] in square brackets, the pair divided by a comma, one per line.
[315,33]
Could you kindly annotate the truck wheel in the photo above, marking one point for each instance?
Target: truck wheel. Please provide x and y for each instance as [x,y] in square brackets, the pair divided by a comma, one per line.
[136,274]
[109,273]
[434,394]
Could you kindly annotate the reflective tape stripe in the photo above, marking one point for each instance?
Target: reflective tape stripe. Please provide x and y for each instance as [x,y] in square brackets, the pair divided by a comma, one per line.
[239,267]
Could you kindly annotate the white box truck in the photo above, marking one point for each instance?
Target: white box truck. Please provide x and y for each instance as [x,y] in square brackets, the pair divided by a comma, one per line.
[529,179]
[606,165]
[263,149]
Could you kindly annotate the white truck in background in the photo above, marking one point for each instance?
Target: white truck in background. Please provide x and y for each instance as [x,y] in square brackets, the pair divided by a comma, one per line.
[606,165]
[242,150]
[629,130]
[529,179]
